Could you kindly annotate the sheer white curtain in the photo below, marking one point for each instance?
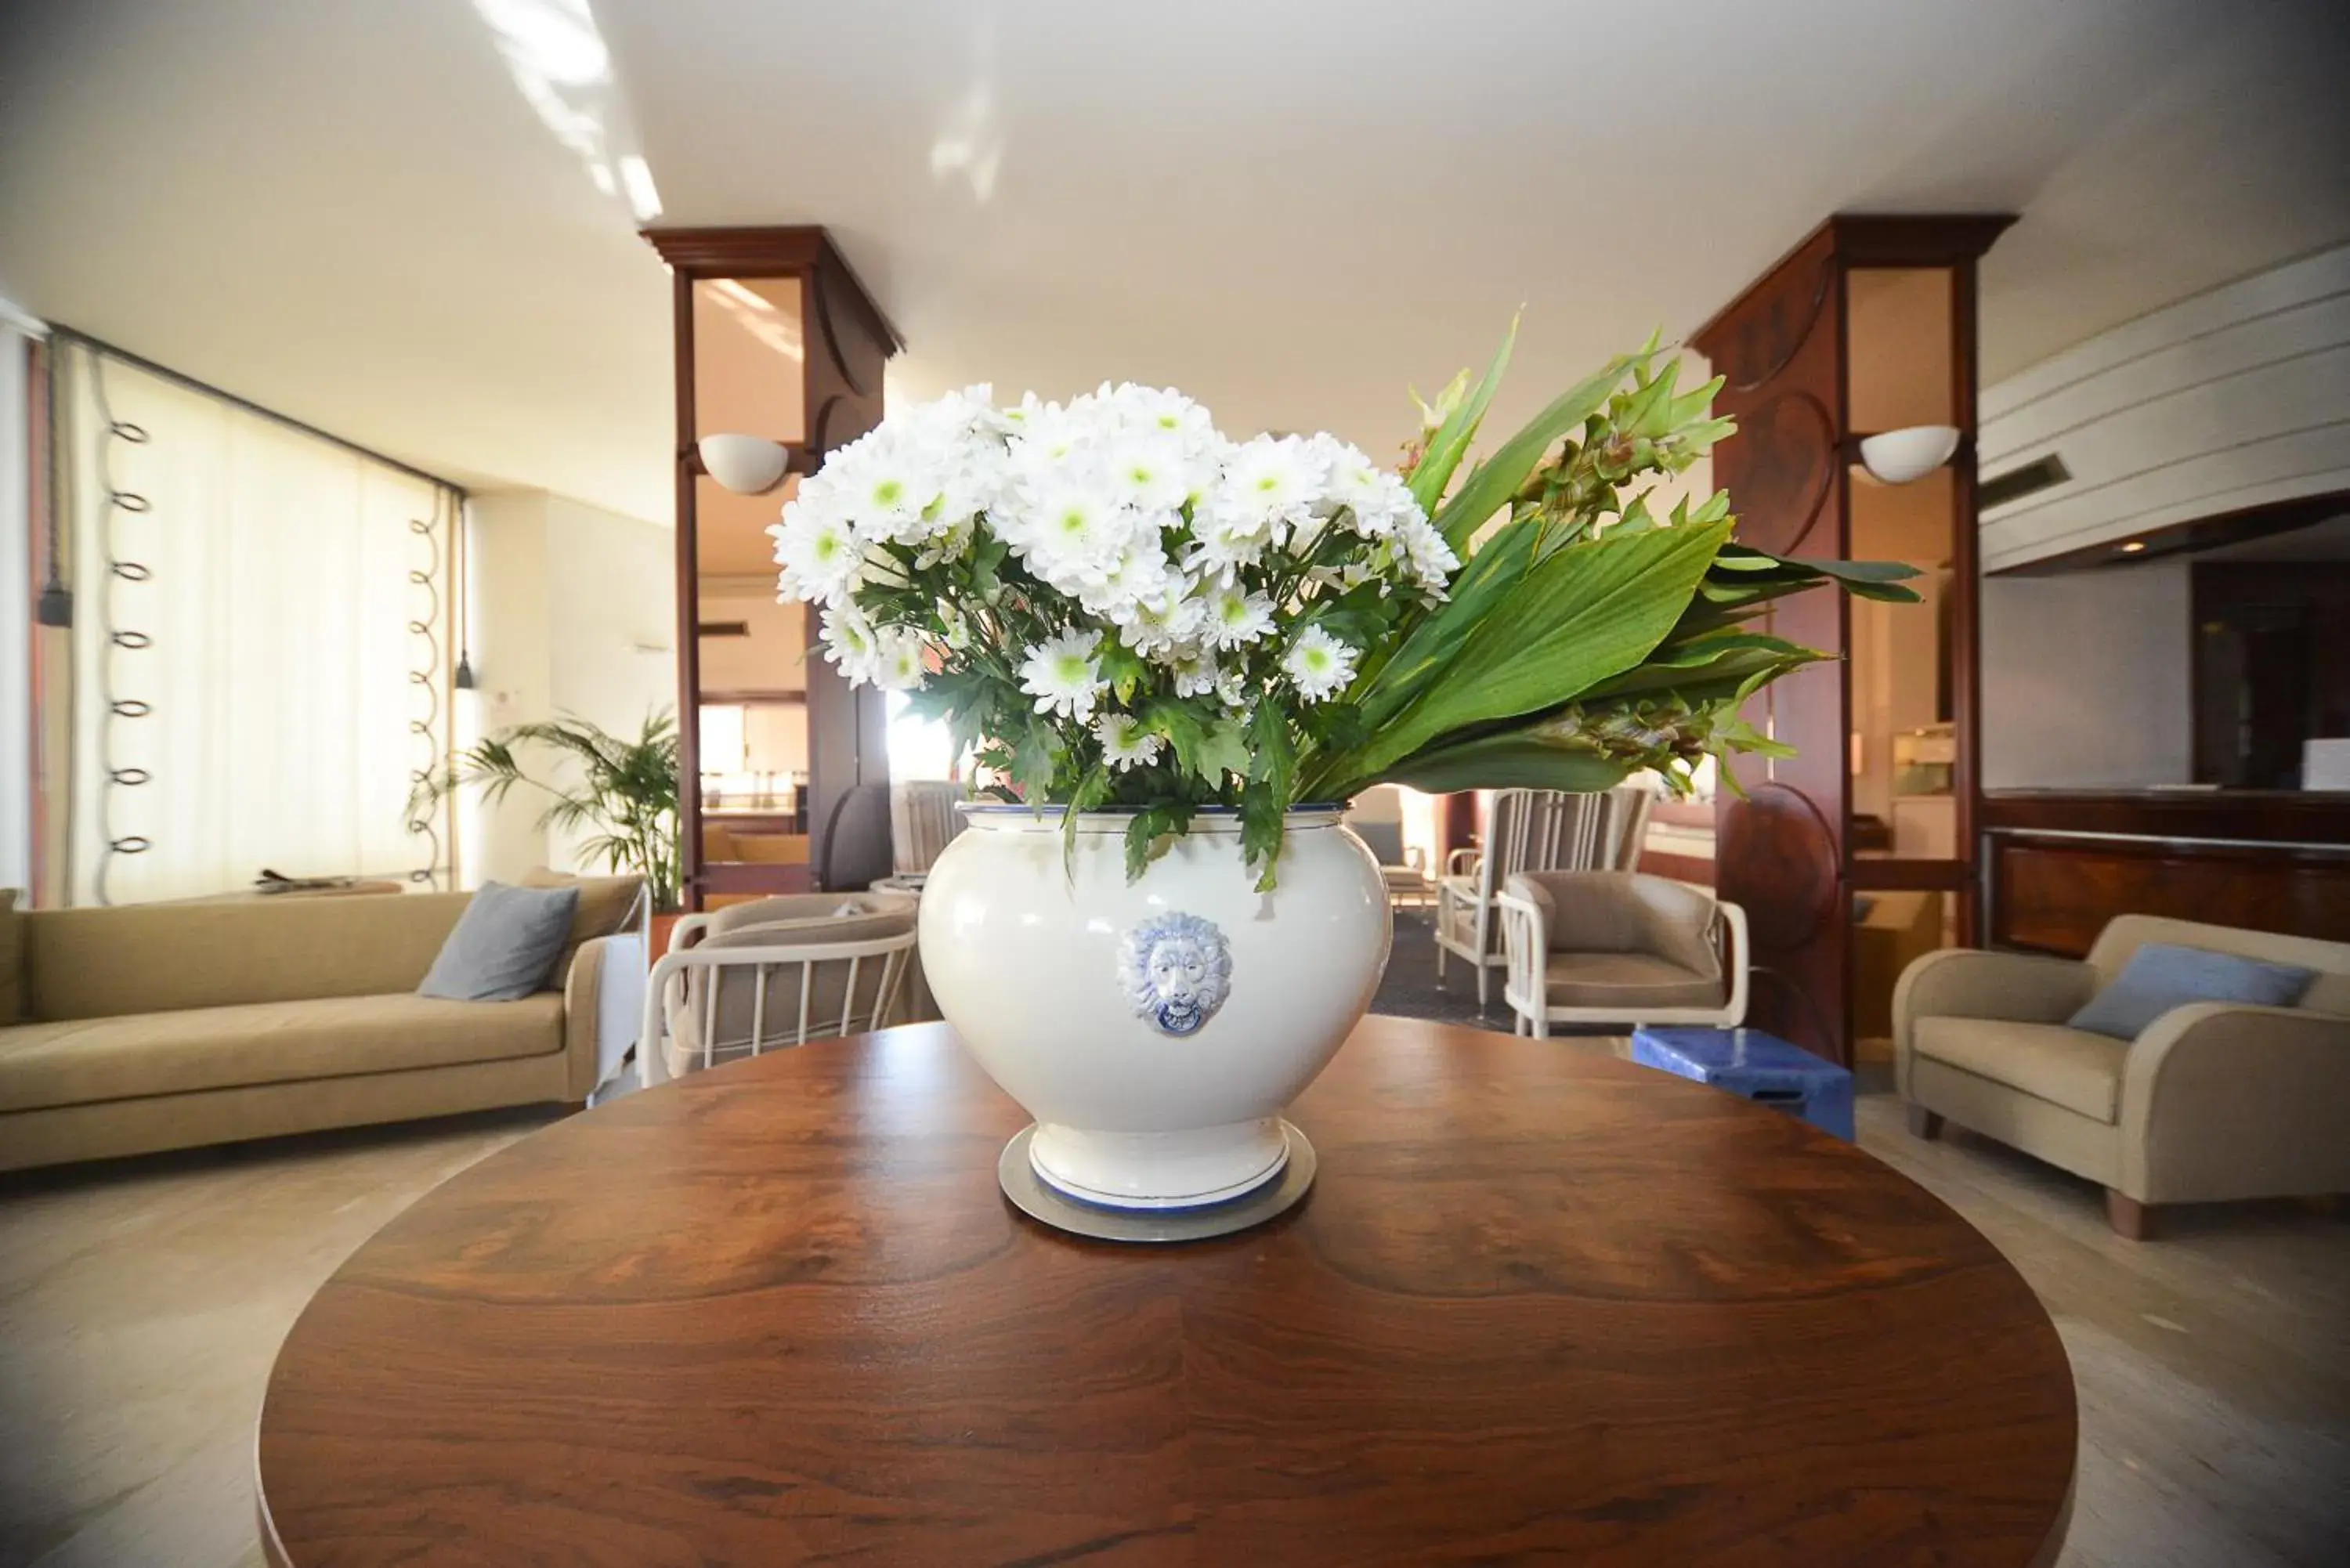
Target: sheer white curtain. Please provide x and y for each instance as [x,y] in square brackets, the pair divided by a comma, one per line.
[261,638]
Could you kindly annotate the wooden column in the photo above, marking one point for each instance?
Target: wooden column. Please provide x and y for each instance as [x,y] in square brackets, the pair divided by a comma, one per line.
[846,341]
[1784,848]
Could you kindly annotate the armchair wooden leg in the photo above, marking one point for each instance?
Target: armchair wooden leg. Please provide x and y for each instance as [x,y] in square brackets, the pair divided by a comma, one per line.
[2131,1220]
[1925,1124]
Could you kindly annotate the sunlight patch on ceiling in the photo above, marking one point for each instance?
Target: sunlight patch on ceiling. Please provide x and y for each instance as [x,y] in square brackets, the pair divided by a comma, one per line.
[561,65]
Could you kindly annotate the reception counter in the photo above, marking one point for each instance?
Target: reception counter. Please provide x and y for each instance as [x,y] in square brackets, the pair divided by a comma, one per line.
[2057,863]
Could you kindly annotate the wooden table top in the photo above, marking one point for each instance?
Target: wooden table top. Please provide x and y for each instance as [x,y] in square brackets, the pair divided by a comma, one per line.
[1541,1305]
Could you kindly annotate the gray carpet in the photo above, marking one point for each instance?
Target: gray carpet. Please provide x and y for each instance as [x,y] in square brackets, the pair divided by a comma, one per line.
[1410,989]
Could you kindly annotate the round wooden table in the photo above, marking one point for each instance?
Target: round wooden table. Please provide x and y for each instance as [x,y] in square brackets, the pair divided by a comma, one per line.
[1541,1305]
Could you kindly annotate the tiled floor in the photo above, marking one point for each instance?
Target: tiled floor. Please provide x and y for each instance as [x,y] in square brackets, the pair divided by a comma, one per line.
[141,1307]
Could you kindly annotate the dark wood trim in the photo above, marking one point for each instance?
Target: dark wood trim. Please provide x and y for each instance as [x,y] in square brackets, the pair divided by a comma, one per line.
[2267,816]
[2206,533]
[1915,239]
[689,601]
[1886,874]
[1966,588]
[801,250]
[2131,1221]
[1882,239]
[776,697]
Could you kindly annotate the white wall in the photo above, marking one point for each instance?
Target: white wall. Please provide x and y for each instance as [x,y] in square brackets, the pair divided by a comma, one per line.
[2085,679]
[2232,399]
[16,621]
[573,612]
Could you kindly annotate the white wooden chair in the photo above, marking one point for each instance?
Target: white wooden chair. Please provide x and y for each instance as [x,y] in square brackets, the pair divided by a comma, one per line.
[715,997]
[922,822]
[1528,830]
[1620,948]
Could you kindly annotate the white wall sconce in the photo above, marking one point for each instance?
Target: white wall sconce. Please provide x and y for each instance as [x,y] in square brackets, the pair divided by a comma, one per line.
[1905,456]
[745,465]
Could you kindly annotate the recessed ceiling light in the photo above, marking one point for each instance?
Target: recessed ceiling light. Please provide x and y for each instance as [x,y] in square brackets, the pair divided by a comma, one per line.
[2133,547]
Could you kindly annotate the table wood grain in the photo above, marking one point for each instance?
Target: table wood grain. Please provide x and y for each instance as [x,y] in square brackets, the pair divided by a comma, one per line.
[1542,1306]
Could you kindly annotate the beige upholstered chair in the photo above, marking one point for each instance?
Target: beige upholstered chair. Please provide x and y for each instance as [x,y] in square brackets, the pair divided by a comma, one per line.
[1620,948]
[778,972]
[1526,830]
[2212,1101]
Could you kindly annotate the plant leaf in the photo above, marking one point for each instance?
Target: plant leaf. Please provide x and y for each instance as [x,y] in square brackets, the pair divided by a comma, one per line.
[1492,482]
[1450,443]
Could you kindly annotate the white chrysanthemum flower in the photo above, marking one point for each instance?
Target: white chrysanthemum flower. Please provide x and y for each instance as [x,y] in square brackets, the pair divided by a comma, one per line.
[851,642]
[1318,664]
[1194,669]
[1156,623]
[1270,483]
[897,664]
[1064,675]
[1376,501]
[1235,616]
[1430,559]
[1152,475]
[1124,745]
[820,555]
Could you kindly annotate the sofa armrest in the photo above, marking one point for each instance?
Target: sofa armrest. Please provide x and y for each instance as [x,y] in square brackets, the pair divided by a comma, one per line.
[1968,982]
[602,995]
[2222,1101]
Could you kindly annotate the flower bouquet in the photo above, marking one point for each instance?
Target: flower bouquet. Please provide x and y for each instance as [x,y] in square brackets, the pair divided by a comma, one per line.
[1175,641]
[1120,607]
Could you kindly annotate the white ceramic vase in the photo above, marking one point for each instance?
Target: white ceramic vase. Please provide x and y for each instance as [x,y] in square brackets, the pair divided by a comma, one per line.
[1155,1029]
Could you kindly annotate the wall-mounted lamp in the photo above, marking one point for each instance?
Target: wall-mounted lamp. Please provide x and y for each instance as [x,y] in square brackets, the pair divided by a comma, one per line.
[745,465]
[1904,456]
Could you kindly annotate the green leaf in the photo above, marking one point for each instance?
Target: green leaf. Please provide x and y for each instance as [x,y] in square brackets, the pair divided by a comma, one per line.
[1513,761]
[1225,749]
[1033,761]
[1261,832]
[1148,834]
[1582,616]
[1272,756]
[1181,725]
[1450,443]
[1091,791]
[1493,482]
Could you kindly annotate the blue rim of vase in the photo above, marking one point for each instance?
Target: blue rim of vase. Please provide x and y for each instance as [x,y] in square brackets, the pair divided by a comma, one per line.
[1008,808]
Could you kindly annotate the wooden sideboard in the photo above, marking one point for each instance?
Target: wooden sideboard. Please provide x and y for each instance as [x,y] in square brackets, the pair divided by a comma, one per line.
[2058,864]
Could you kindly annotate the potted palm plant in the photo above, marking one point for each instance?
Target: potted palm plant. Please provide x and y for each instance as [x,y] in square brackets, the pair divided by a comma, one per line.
[621,793]
[1178,655]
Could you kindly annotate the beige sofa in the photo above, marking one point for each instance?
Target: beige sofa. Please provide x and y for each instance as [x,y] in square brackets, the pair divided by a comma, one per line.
[2213,1101]
[155,1026]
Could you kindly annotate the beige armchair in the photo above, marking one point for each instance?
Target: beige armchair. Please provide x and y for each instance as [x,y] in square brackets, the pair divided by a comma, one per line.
[1620,948]
[1529,830]
[2213,1101]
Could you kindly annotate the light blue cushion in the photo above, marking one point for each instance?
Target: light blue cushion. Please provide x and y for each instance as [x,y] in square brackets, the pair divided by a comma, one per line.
[504,944]
[2159,977]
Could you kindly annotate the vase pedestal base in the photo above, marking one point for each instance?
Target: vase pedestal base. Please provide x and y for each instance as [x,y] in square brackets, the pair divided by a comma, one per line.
[1277,1192]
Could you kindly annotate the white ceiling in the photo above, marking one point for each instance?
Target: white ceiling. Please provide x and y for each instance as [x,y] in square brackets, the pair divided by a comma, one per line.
[346,210]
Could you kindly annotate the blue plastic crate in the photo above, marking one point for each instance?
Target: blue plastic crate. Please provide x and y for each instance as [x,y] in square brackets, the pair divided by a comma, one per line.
[1753,1065]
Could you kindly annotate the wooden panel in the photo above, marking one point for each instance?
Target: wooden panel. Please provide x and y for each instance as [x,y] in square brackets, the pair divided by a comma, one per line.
[2272,816]
[1781,846]
[2054,895]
